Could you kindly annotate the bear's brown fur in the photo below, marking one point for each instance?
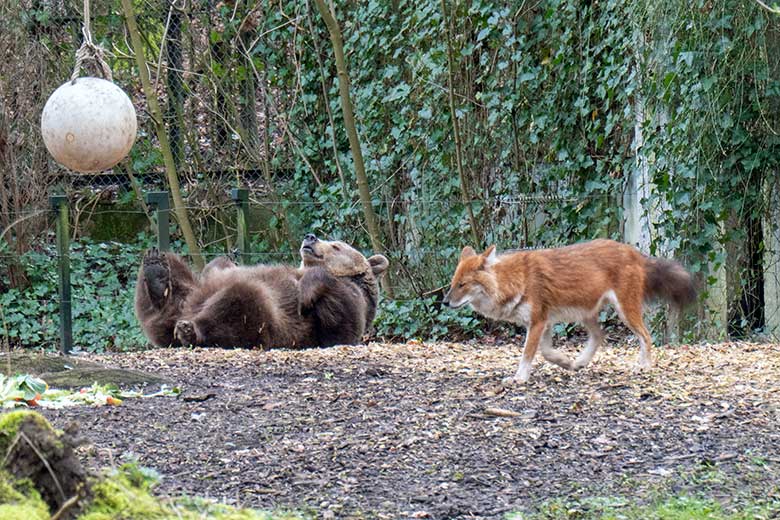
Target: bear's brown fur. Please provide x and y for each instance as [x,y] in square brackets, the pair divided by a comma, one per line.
[330,299]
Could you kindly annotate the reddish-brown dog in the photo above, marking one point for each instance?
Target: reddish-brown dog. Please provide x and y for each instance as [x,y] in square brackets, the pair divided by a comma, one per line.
[569,284]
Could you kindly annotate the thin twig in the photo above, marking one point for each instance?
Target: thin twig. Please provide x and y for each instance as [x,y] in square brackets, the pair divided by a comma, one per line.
[45,463]
[6,338]
[22,435]
[772,9]
[72,501]
[162,45]
[20,220]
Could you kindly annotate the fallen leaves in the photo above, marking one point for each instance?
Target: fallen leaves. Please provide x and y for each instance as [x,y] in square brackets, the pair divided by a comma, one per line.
[394,430]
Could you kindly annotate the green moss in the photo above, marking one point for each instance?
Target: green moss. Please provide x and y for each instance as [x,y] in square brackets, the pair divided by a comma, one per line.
[669,508]
[28,512]
[192,509]
[117,226]
[20,501]
[120,496]
[9,425]
[126,495]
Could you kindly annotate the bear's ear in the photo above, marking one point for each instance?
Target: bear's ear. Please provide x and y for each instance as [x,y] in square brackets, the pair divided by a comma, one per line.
[378,264]
[467,252]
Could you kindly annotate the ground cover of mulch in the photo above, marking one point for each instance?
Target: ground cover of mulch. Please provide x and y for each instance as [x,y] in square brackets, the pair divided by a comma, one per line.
[426,430]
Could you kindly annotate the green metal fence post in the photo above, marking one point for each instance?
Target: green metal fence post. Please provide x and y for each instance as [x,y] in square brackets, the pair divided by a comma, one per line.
[59,203]
[159,201]
[240,197]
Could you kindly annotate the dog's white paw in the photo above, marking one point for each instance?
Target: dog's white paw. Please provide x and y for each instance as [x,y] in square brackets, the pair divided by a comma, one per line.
[579,364]
[512,381]
[643,365]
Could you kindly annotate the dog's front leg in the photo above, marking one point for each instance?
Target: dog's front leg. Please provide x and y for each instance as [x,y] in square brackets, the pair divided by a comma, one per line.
[535,332]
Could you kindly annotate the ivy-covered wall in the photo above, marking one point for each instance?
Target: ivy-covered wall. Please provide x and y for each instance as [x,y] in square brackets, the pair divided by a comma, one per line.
[674,104]
[652,122]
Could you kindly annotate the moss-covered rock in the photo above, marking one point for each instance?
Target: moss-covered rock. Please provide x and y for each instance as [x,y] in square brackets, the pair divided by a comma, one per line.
[121,495]
[27,490]
[126,494]
[10,423]
[71,372]
[30,449]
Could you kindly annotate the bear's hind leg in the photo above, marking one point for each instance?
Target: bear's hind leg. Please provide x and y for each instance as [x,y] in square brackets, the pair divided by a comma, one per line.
[156,277]
[185,333]
[239,315]
[164,282]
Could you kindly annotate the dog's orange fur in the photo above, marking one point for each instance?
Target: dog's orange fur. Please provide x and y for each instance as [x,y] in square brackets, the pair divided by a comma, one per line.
[541,287]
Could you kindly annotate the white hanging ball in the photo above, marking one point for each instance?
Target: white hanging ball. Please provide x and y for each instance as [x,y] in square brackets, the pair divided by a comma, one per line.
[88,125]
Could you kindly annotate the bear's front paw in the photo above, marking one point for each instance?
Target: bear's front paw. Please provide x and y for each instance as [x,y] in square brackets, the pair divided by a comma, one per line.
[307,298]
[305,306]
[185,334]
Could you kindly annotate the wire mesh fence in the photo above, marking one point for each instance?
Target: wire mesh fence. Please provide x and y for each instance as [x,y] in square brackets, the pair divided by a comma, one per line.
[249,100]
[103,271]
[108,240]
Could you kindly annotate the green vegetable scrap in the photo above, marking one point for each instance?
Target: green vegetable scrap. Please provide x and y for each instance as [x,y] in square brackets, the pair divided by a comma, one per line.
[21,390]
[26,390]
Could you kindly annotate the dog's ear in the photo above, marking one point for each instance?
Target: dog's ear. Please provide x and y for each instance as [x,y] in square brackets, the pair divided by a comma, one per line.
[467,252]
[378,264]
[490,256]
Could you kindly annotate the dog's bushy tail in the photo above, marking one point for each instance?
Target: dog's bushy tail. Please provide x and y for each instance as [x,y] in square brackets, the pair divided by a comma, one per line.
[668,280]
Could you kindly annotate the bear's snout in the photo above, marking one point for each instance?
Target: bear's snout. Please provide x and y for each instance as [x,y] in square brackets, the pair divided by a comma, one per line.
[309,246]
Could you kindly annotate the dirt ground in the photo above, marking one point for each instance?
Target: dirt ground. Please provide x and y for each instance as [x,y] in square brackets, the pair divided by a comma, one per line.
[427,431]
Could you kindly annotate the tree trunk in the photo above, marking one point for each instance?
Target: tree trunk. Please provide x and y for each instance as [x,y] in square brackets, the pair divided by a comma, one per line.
[349,124]
[328,111]
[464,186]
[154,108]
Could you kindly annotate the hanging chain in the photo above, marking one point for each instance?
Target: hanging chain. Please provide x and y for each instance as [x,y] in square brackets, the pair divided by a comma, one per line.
[90,51]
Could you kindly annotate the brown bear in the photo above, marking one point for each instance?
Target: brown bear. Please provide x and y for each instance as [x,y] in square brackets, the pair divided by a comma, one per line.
[330,299]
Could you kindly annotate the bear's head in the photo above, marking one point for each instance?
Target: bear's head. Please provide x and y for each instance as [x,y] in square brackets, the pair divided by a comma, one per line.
[341,259]
[344,285]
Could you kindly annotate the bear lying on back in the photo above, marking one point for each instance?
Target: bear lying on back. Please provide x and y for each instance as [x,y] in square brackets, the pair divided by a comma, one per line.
[330,299]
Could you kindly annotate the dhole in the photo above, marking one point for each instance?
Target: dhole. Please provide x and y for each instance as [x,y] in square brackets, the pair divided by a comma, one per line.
[569,284]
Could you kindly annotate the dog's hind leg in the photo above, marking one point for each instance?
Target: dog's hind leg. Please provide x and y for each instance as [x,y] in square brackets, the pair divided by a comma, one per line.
[549,353]
[630,311]
[595,337]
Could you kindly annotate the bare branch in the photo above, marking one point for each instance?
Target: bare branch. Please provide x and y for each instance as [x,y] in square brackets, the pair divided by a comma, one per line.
[772,9]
